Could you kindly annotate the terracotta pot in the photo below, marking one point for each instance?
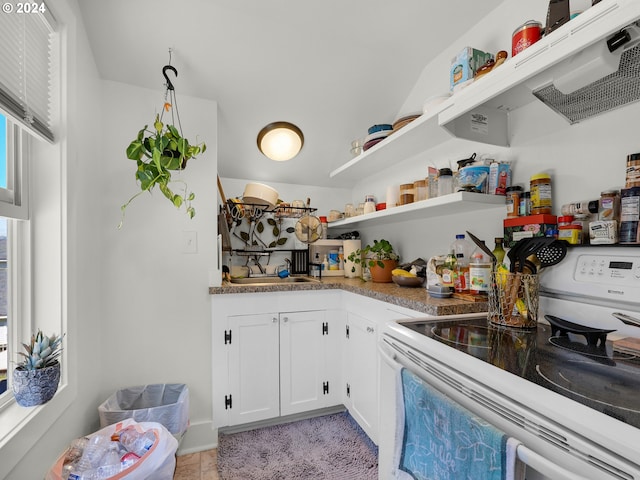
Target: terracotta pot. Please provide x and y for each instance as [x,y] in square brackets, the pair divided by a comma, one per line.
[35,387]
[383,275]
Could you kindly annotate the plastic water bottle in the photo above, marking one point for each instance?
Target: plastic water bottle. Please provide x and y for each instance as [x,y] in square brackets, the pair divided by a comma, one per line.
[110,463]
[137,442]
[462,249]
[92,455]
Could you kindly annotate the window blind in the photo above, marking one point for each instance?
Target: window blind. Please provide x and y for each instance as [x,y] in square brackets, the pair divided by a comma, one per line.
[26,41]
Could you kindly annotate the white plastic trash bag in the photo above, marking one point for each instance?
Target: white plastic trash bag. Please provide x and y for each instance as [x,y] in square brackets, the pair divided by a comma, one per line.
[158,463]
[165,403]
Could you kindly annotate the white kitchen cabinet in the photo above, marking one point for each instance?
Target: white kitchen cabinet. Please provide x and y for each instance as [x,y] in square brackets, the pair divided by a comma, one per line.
[253,345]
[365,317]
[268,361]
[309,370]
[361,372]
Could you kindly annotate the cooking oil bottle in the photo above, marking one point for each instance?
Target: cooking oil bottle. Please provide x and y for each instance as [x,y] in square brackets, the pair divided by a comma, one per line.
[498,251]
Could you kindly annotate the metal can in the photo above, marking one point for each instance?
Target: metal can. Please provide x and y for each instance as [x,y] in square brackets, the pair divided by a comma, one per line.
[525,35]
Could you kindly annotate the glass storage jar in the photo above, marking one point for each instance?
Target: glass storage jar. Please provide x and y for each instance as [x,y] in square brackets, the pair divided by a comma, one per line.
[406,193]
[420,190]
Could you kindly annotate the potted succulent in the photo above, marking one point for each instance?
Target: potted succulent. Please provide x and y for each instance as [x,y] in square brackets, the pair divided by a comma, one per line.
[157,153]
[379,257]
[35,380]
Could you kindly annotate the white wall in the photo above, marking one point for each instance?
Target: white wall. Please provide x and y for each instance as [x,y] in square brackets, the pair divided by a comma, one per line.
[156,320]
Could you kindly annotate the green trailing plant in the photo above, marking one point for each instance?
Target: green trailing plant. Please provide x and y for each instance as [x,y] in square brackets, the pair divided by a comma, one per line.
[372,255]
[159,152]
[43,351]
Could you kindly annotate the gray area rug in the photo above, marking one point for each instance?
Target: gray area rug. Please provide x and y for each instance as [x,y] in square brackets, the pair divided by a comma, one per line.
[332,447]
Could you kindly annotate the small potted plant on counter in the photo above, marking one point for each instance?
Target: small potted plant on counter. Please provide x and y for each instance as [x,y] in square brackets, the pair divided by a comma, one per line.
[379,257]
[35,380]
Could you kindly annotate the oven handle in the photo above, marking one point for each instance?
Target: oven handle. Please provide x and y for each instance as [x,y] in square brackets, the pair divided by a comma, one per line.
[527,456]
[544,466]
[389,359]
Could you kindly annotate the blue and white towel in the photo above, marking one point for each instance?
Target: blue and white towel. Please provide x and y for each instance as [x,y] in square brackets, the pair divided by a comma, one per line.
[438,439]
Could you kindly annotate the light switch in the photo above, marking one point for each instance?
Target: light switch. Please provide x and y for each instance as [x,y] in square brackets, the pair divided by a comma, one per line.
[189,242]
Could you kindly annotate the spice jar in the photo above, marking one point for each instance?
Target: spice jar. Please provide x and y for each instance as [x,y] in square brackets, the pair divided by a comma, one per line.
[572,233]
[525,204]
[609,207]
[406,194]
[513,200]
[633,171]
[445,181]
[541,199]
[420,189]
[582,220]
[565,220]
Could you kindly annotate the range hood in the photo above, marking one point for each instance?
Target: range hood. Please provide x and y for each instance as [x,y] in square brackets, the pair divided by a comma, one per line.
[588,66]
[601,78]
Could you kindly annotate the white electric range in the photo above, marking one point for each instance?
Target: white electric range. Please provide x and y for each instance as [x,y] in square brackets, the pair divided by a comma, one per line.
[561,389]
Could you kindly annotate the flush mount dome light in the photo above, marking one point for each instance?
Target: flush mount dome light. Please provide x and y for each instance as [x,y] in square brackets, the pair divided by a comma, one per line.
[280,141]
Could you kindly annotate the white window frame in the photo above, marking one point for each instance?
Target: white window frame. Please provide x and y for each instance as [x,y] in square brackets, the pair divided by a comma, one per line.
[14,206]
[42,298]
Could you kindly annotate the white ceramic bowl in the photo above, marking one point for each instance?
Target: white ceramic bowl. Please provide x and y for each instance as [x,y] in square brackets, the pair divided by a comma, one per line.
[432,103]
[260,194]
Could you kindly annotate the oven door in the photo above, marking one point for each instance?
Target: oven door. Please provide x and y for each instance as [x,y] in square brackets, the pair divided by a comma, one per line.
[547,451]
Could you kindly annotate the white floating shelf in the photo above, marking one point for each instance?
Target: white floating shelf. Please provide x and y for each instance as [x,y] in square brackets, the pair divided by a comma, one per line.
[416,137]
[454,203]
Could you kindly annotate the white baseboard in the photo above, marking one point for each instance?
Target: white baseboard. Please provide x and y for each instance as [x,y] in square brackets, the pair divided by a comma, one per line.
[198,438]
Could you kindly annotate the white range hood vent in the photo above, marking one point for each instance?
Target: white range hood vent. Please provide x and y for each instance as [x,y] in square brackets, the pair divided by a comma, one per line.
[616,74]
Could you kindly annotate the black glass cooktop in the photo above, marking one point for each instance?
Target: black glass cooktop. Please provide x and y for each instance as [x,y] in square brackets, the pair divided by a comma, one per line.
[576,362]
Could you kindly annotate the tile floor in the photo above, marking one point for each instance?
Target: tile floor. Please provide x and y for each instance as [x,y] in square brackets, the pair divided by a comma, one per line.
[197,466]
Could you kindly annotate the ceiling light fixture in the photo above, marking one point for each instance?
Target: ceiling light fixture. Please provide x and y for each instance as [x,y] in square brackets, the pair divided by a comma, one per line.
[280,141]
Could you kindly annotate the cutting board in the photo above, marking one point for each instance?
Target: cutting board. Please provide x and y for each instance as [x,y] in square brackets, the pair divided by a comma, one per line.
[470,297]
[627,345]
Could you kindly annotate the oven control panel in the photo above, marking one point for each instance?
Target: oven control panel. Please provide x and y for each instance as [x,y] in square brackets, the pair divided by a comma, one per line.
[612,270]
[600,272]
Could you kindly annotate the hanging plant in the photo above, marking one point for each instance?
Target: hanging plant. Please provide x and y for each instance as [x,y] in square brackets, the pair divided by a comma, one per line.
[160,151]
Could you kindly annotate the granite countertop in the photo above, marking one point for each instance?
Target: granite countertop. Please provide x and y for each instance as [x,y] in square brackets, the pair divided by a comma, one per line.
[413,298]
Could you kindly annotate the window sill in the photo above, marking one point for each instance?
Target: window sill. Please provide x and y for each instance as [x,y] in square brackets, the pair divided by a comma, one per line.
[22,427]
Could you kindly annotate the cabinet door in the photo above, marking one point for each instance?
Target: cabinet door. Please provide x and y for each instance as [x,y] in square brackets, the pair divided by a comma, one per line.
[362,373]
[305,380]
[253,368]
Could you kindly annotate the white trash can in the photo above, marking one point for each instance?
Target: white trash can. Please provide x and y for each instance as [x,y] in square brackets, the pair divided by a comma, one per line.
[167,404]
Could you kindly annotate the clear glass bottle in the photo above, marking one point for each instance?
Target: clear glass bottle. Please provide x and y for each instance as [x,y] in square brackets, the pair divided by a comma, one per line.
[498,250]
